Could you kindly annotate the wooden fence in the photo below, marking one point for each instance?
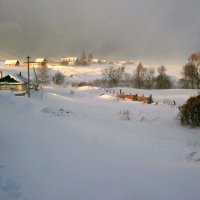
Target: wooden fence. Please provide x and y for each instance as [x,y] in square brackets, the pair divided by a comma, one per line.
[135,97]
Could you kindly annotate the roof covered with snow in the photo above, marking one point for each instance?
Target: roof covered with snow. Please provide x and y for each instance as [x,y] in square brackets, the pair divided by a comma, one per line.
[15,78]
[40,60]
[69,59]
[95,60]
[11,62]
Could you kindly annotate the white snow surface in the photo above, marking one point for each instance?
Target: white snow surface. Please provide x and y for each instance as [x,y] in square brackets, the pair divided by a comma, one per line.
[85,144]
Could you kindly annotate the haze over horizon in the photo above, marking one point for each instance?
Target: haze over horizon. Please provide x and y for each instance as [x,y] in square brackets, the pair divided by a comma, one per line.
[153,31]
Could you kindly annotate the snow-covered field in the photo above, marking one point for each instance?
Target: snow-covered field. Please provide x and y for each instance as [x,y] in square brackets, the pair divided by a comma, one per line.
[85,144]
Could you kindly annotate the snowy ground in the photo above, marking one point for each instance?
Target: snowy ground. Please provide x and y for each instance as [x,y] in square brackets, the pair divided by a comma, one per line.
[84,144]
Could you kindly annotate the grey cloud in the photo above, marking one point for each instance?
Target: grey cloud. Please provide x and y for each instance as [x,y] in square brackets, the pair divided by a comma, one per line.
[154,30]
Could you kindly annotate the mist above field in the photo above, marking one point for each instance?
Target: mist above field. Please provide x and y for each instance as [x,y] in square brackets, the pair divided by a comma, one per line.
[162,31]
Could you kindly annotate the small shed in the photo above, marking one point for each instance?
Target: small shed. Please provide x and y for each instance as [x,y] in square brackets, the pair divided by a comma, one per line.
[12,63]
[15,82]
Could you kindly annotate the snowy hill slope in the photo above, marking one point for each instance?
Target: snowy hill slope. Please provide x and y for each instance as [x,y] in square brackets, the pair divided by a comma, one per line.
[80,145]
[86,73]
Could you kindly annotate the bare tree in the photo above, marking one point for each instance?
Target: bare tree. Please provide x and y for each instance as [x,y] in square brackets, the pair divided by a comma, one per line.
[43,77]
[191,72]
[162,81]
[190,75]
[127,79]
[113,75]
[149,78]
[139,76]
[83,58]
[90,57]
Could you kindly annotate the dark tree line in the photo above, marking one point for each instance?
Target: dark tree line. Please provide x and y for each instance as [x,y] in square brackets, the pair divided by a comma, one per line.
[85,59]
[162,81]
[142,77]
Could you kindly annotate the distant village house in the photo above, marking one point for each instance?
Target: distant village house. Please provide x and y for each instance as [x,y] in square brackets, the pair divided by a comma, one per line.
[12,63]
[69,61]
[37,63]
[103,61]
[40,62]
[95,61]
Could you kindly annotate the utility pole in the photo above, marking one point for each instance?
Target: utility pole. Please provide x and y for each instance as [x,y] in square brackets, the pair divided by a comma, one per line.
[28,58]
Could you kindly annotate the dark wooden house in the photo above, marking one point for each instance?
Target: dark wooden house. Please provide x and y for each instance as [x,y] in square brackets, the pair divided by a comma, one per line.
[15,82]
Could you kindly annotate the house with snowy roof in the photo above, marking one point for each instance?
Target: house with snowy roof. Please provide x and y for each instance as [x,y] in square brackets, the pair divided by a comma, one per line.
[12,63]
[15,82]
[95,61]
[69,60]
[40,62]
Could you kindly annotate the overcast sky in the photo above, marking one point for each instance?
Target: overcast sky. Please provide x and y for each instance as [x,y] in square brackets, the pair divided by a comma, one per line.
[154,30]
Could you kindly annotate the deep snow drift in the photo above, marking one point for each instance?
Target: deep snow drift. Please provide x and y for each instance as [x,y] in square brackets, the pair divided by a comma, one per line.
[84,143]
[79,146]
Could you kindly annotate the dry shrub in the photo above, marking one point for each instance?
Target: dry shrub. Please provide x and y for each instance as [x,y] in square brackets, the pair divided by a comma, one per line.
[58,78]
[189,113]
[124,115]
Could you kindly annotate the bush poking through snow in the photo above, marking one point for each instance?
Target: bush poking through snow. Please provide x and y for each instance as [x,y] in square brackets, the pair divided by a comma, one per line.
[170,102]
[189,113]
[124,115]
[193,157]
[61,112]
[58,78]
[71,92]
